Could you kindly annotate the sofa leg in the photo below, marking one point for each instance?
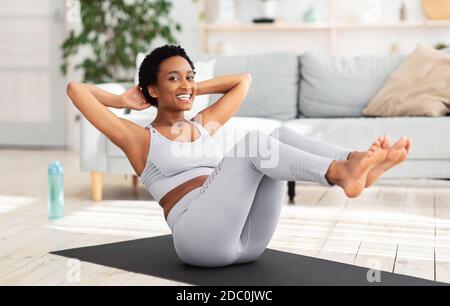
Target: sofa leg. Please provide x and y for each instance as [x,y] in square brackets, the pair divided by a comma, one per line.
[96,181]
[291,191]
[134,179]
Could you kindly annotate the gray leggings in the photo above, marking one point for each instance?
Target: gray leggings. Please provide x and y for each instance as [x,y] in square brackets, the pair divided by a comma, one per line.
[231,218]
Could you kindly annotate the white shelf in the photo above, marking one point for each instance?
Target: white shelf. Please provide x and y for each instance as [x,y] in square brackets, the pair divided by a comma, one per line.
[237,27]
[333,27]
[437,23]
[396,25]
[266,26]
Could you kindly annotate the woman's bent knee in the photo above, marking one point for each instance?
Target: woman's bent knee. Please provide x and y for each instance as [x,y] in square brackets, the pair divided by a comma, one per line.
[201,251]
[206,257]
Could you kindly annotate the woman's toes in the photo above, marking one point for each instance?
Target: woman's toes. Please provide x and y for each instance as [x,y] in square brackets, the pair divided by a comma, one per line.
[386,142]
[398,151]
[408,145]
[395,154]
[373,148]
[376,144]
[401,143]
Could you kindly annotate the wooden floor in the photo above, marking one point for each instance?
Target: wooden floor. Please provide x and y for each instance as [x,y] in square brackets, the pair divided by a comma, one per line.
[396,226]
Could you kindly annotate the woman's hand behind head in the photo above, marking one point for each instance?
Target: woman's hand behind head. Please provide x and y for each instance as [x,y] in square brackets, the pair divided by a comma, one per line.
[134,99]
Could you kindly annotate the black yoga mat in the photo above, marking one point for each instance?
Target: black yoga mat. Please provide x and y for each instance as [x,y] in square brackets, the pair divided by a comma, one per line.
[156,256]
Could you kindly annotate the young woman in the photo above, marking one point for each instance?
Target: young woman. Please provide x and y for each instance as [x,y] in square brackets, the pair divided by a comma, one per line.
[222,210]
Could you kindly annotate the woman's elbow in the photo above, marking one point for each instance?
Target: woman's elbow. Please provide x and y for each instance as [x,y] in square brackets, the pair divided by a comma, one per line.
[71,90]
[70,87]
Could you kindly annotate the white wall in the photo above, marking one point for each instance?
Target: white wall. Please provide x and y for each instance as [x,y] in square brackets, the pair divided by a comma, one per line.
[186,12]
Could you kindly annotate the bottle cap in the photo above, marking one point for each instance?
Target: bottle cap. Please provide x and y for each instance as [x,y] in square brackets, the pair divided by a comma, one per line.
[55,168]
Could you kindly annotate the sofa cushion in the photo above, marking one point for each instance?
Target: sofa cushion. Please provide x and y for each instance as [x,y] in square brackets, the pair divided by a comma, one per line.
[420,86]
[341,86]
[274,89]
[114,88]
[359,133]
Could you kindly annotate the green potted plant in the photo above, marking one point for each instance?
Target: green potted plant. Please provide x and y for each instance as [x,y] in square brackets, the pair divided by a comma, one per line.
[114,32]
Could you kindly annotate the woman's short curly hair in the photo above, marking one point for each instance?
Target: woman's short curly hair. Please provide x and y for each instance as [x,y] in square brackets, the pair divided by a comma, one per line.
[148,71]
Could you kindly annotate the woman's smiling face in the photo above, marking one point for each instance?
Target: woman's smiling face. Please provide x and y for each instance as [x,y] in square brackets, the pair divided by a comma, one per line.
[176,87]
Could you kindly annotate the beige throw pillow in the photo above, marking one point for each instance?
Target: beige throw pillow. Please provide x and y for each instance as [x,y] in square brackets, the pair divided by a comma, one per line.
[420,86]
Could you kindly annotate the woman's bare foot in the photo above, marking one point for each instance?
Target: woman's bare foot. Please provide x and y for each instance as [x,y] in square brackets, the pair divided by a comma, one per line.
[395,155]
[351,174]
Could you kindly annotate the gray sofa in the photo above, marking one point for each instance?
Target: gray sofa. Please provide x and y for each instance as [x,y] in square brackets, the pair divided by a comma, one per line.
[318,96]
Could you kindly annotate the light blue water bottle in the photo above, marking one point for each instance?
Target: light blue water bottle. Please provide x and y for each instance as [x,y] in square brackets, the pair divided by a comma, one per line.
[55,190]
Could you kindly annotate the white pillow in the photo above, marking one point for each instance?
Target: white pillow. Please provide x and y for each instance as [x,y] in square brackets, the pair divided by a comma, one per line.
[204,71]
[116,89]
[113,88]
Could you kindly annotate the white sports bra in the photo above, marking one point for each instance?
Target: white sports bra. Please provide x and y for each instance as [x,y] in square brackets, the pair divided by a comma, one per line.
[171,163]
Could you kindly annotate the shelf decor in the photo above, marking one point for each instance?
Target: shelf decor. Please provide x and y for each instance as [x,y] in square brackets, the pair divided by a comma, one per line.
[436,9]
